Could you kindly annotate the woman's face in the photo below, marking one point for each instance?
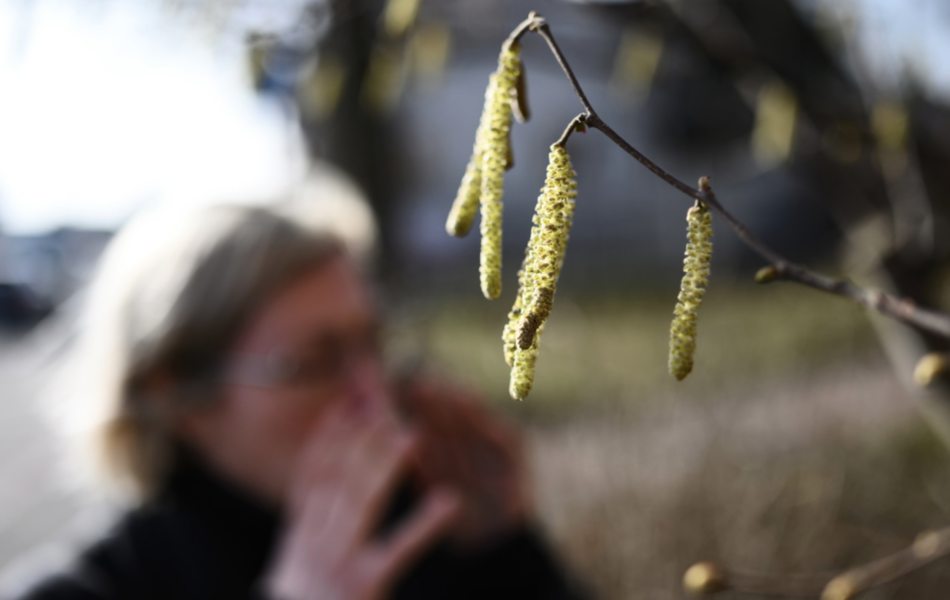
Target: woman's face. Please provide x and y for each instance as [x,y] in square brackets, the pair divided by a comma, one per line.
[311,345]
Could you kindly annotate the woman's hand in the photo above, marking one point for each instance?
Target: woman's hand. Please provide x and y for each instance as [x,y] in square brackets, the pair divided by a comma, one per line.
[466,448]
[345,479]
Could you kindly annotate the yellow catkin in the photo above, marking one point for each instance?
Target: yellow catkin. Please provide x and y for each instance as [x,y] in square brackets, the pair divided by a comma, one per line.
[545,255]
[692,289]
[494,158]
[465,206]
[522,371]
[525,290]
[520,358]
[510,334]
[521,361]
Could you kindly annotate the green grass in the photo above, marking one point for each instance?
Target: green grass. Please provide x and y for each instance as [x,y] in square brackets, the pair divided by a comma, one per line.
[610,348]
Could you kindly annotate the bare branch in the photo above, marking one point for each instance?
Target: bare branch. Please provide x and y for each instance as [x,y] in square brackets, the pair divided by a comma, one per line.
[902,309]
[532,22]
[707,578]
[597,123]
[928,547]
[545,31]
[578,123]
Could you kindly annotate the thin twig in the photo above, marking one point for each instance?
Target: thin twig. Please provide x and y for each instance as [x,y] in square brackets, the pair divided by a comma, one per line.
[545,31]
[597,123]
[579,120]
[532,22]
[708,578]
[903,310]
[928,547]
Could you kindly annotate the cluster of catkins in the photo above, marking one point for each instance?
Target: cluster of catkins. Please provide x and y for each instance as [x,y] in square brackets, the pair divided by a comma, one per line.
[483,181]
[482,186]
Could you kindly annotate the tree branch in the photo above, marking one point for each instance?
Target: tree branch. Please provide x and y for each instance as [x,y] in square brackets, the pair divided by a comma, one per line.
[707,578]
[545,32]
[902,309]
[578,123]
[928,547]
[532,22]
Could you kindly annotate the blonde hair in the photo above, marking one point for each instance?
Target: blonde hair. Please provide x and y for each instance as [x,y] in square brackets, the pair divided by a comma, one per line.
[172,292]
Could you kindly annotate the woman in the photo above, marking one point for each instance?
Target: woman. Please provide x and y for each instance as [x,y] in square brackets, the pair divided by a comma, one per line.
[244,401]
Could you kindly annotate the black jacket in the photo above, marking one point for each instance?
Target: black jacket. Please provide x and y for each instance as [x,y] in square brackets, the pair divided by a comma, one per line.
[202,539]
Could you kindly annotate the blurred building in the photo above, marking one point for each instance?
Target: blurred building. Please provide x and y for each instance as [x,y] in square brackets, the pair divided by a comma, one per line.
[39,272]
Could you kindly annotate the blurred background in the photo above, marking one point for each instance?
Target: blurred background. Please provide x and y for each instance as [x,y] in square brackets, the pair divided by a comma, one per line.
[797,444]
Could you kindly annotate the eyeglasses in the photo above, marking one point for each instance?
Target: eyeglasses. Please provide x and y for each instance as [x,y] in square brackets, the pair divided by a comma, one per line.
[303,369]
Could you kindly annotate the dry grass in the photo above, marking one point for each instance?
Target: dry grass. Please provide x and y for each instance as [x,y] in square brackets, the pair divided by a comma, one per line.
[795,475]
[791,447]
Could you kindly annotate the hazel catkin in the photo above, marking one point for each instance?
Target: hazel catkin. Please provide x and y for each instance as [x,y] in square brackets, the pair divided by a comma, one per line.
[522,369]
[510,333]
[553,218]
[537,279]
[494,159]
[465,206]
[521,361]
[692,290]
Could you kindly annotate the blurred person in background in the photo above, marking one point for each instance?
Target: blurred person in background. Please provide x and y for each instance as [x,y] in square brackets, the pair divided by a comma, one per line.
[235,387]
